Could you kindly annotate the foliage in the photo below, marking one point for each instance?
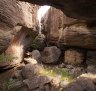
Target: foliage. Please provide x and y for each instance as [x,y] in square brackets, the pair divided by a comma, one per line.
[36,43]
[4,58]
[57,72]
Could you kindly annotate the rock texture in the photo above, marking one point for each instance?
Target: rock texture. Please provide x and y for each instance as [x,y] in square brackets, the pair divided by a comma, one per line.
[36,55]
[50,54]
[68,31]
[84,82]
[74,57]
[36,82]
[84,9]
[18,45]
[31,70]
[11,13]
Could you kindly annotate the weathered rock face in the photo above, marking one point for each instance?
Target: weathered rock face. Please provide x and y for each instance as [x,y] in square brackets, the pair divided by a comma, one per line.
[84,9]
[12,13]
[20,43]
[79,33]
[29,13]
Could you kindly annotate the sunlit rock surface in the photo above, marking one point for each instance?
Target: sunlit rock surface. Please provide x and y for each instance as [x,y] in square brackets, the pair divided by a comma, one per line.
[20,43]
[12,13]
[69,31]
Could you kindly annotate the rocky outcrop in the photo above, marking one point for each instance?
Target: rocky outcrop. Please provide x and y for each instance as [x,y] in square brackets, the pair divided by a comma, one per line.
[19,44]
[75,8]
[68,31]
[12,13]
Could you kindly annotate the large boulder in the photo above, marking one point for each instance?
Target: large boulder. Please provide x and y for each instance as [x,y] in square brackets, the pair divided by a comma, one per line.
[50,54]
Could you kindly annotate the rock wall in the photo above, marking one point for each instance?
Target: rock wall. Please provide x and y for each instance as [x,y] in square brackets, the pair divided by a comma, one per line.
[19,44]
[69,31]
[13,12]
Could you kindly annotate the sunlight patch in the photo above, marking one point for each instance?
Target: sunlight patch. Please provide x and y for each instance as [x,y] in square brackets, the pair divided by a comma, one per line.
[41,12]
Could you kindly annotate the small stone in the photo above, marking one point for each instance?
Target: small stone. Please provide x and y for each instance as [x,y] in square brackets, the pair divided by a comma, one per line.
[30,60]
[36,55]
[55,82]
[64,83]
[69,66]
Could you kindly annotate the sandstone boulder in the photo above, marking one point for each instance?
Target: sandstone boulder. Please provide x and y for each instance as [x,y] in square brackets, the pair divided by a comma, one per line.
[50,54]
[74,57]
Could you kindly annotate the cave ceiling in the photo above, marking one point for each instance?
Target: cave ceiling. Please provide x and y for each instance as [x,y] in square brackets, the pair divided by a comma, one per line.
[79,9]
